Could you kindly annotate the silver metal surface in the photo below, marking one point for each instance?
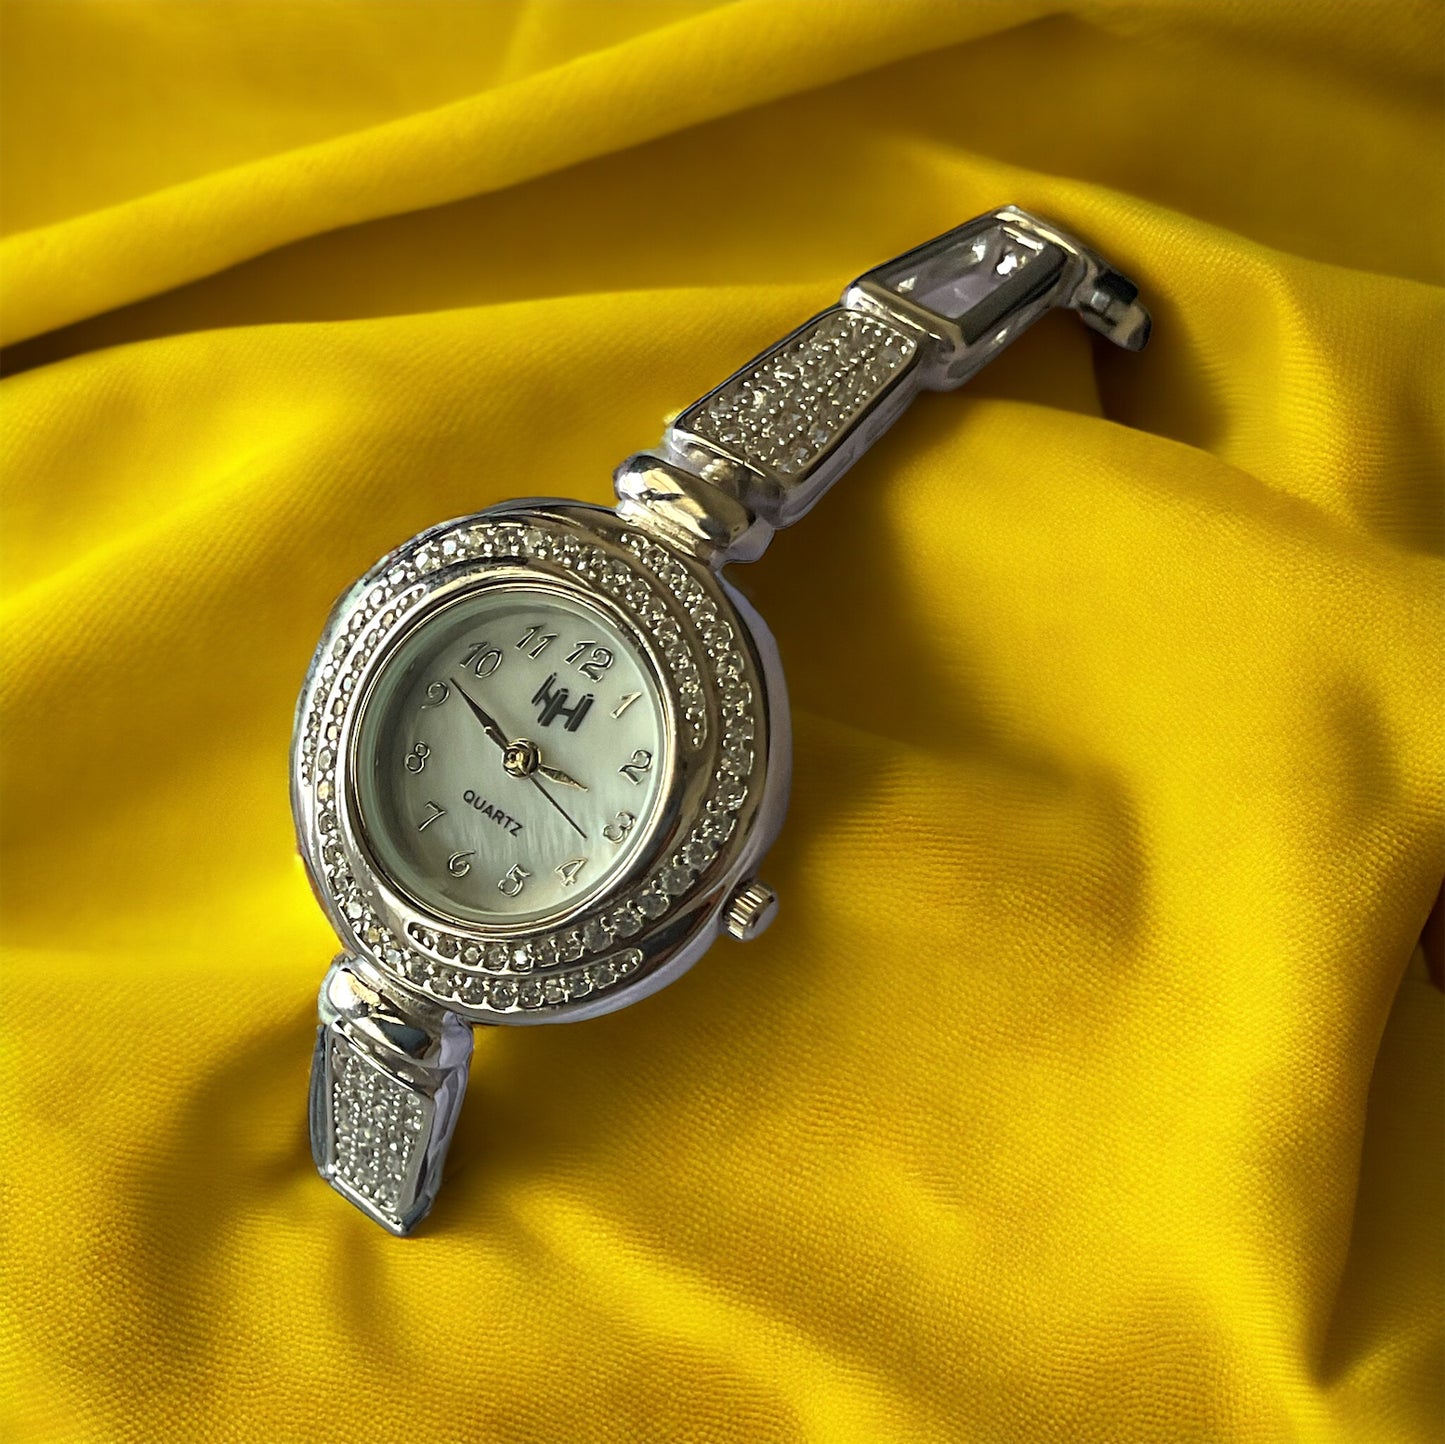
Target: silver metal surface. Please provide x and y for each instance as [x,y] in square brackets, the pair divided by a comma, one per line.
[387,1081]
[759,451]
[754,454]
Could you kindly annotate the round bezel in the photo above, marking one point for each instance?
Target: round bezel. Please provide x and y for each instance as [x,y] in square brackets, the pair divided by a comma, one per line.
[722,805]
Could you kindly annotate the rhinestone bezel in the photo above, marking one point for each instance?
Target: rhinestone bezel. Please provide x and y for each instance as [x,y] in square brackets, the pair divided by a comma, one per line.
[714,688]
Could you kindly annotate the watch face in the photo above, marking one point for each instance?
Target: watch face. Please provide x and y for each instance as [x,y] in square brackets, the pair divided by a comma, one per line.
[511,757]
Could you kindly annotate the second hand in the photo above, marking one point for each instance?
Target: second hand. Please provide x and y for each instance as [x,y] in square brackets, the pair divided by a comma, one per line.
[531,777]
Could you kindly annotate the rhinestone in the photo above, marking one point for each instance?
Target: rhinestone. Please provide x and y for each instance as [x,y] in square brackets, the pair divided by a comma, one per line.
[471,955]
[676,879]
[602,974]
[554,990]
[731,794]
[447,945]
[697,854]
[570,946]
[522,958]
[578,983]
[503,993]
[449,546]
[626,921]
[529,993]
[738,760]
[651,904]
[597,934]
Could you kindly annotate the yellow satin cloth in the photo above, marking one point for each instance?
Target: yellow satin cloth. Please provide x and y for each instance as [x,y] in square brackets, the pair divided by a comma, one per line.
[1084,1089]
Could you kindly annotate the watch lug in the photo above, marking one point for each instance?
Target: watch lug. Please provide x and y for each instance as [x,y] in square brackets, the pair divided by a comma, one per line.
[698,514]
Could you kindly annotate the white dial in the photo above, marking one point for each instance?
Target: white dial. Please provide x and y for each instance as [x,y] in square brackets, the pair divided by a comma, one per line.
[512,757]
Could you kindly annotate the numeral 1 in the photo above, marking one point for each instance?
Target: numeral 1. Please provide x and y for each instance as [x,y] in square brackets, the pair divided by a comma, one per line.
[625,703]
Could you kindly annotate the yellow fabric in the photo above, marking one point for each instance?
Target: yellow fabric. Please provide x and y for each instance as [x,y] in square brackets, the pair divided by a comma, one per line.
[1045,1111]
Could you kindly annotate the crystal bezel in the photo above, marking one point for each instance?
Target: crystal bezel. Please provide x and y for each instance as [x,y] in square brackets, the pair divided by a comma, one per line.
[619,944]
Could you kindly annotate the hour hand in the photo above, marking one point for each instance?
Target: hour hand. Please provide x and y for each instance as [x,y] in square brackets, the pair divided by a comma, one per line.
[555,774]
[489,726]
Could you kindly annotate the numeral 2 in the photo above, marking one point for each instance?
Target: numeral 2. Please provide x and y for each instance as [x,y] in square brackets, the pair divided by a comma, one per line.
[641,762]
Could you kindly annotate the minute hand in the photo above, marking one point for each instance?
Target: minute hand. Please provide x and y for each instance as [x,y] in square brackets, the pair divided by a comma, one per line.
[489,725]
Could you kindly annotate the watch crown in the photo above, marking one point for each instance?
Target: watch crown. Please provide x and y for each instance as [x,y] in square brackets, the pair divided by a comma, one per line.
[749,911]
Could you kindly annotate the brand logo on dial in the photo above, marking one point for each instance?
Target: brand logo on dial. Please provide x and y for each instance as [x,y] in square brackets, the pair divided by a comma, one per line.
[553,702]
[489,809]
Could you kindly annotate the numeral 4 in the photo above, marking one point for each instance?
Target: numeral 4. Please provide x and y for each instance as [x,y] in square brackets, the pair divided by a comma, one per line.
[569,870]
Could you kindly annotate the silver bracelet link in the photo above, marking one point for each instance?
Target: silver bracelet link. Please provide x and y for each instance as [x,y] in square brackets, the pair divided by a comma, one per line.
[759,451]
[387,1081]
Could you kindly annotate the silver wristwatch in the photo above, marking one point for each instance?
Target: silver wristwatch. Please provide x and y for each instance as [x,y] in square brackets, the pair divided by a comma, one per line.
[542,751]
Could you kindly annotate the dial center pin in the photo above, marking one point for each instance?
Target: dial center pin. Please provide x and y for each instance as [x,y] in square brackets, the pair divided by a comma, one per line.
[520,758]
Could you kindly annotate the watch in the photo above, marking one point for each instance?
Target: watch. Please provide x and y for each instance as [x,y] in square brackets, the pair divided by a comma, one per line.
[542,751]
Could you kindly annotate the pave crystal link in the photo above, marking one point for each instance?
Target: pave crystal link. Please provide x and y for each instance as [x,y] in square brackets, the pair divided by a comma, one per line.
[784,410]
[759,451]
[387,1082]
